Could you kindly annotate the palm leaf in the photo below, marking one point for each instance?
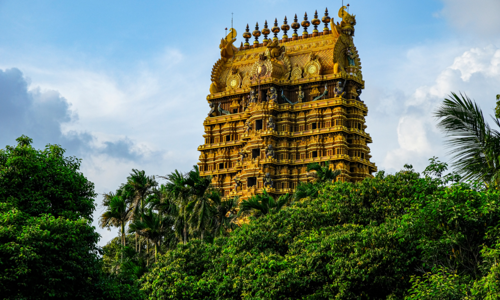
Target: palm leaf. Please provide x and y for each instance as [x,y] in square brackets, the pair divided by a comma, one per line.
[474,145]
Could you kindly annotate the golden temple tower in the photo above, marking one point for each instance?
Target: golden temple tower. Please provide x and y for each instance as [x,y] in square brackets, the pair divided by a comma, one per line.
[280,105]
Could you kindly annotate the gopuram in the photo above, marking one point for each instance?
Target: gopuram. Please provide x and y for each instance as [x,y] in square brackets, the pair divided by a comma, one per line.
[282,104]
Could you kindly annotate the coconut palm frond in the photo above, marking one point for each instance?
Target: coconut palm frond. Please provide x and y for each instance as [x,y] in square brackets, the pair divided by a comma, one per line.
[474,145]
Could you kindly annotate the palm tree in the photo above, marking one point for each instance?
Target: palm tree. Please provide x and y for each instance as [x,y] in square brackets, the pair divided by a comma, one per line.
[200,204]
[263,204]
[141,186]
[117,214]
[179,191]
[497,108]
[223,212]
[153,227]
[474,144]
[323,173]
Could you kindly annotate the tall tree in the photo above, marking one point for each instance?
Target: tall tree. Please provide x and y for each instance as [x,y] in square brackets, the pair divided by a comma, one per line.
[223,213]
[180,192]
[117,214]
[474,145]
[200,204]
[141,185]
[153,227]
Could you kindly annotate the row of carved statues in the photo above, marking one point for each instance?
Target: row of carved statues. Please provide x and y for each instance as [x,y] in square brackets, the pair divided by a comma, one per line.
[272,97]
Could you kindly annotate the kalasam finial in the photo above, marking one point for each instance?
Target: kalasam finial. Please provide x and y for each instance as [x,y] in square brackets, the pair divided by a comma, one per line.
[275,29]
[315,22]
[295,26]
[256,33]
[326,20]
[305,24]
[285,27]
[247,35]
[265,32]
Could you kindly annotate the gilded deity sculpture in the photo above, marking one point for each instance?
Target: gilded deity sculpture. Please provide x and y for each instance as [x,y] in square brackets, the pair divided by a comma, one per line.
[351,56]
[271,124]
[270,152]
[268,182]
[253,96]
[272,95]
[300,95]
[339,89]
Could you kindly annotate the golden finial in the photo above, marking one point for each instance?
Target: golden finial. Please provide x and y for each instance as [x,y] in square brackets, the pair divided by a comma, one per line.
[326,20]
[315,22]
[256,34]
[265,32]
[275,29]
[295,26]
[285,27]
[247,35]
[305,24]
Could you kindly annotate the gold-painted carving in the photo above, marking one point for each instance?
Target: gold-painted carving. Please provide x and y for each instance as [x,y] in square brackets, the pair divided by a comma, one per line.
[313,67]
[300,94]
[296,73]
[315,91]
[227,49]
[274,50]
[233,81]
[246,81]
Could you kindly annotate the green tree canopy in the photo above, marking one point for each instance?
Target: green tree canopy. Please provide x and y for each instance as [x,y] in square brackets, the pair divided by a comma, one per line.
[368,240]
[48,248]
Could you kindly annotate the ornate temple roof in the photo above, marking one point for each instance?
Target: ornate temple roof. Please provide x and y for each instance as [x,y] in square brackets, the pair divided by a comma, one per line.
[306,57]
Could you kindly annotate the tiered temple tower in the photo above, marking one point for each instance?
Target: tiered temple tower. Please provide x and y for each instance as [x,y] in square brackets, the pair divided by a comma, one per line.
[280,105]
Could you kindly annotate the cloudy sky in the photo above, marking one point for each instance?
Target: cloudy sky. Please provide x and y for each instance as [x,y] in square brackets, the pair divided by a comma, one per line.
[122,84]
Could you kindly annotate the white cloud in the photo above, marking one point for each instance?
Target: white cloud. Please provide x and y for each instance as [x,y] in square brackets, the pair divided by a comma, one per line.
[474,72]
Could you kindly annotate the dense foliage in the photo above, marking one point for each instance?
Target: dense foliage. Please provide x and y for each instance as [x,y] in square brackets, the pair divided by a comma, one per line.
[394,236]
[48,248]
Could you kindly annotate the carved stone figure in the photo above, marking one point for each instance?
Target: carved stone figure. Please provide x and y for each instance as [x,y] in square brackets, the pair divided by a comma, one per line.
[354,92]
[253,96]
[347,24]
[300,94]
[272,95]
[271,124]
[237,183]
[242,155]
[270,152]
[227,49]
[351,56]
[359,91]
[212,109]
[275,50]
[248,126]
[339,89]
[268,182]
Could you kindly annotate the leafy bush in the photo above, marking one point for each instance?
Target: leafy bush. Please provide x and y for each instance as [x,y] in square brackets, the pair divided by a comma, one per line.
[368,240]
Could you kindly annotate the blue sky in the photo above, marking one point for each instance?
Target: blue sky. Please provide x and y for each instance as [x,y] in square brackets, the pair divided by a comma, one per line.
[122,84]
